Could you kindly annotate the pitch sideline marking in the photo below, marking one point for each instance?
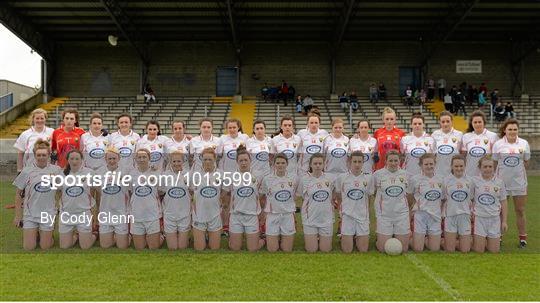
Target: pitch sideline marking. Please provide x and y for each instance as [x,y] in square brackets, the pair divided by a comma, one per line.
[447,288]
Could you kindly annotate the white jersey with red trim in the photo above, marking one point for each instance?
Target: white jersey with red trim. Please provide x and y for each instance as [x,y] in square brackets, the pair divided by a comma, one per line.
[227,150]
[38,197]
[280,193]
[355,192]
[78,197]
[157,150]
[414,147]
[309,145]
[476,147]
[447,145]
[488,195]
[458,193]
[126,147]
[511,157]
[428,194]
[183,146]
[290,147]
[176,201]
[207,198]
[25,143]
[245,197]
[94,149]
[368,148]
[114,196]
[259,151]
[335,150]
[144,202]
[196,147]
[317,208]
[391,193]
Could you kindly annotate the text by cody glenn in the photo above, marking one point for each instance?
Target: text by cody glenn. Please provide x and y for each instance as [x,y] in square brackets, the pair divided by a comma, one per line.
[85,218]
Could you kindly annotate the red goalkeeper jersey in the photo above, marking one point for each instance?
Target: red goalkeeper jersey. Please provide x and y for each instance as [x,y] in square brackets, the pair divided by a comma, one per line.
[63,142]
[387,140]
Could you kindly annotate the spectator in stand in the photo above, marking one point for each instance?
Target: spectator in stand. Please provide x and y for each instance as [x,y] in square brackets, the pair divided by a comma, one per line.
[483,88]
[472,95]
[284,92]
[373,93]
[408,96]
[382,92]
[463,87]
[430,90]
[265,91]
[481,100]
[500,113]
[353,98]
[343,100]
[448,104]
[308,104]
[423,96]
[441,84]
[149,94]
[459,103]
[292,92]
[298,104]
[509,110]
[494,97]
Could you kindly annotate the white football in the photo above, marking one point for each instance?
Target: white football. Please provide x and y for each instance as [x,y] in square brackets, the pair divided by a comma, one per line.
[393,247]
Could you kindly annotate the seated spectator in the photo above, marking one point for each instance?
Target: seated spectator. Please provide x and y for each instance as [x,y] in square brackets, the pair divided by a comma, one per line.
[149,94]
[353,98]
[264,92]
[423,96]
[382,91]
[284,92]
[343,101]
[499,111]
[273,93]
[298,104]
[458,102]
[292,92]
[448,104]
[308,104]
[509,110]
[494,96]
[472,95]
[373,93]
[481,99]
[408,96]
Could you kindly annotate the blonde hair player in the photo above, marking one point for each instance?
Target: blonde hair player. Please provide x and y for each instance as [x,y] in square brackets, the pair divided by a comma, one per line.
[26,141]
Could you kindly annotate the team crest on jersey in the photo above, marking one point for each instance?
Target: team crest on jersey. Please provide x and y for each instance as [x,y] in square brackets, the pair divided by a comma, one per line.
[321,139]
[160,145]
[48,139]
[454,140]
[496,188]
[105,143]
[282,185]
[213,146]
[132,142]
[401,179]
[365,183]
[440,185]
[426,143]
[327,183]
[486,141]
[521,150]
[76,139]
[396,137]
[294,145]
[290,183]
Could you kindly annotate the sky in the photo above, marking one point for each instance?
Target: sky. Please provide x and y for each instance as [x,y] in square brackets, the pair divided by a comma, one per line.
[17,62]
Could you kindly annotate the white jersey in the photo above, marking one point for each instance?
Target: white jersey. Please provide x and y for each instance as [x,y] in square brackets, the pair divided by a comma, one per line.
[476,147]
[458,193]
[280,193]
[309,145]
[245,198]
[114,197]
[368,148]
[335,150]
[77,198]
[157,150]
[176,201]
[227,150]
[183,146]
[94,149]
[125,146]
[488,195]
[428,194]
[37,197]
[290,147]
[511,157]
[144,202]
[414,147]
[391,195]
[260,155]
[207,198]
[317,208]
[447,145]
[355,192]
[25,143]
[196,147]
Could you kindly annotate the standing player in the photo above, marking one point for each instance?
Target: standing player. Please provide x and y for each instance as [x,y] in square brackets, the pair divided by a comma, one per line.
[513,155]
[335,149]
[176,204]
[312,140]
[155,143]
[179,141]
[388,137]
[490,208]
[416,144]
[277,195]
[316,189]
[287,143]
[25,142]
[458,194]
[260,146]
[229,143]
[124,140]
[113,200]
[34,198]
[77,205]
[426,193]
[94,143]
[353,190]
[364,142]
[199,143]
[66,137]
[447,143]
[391,207]
[477,142]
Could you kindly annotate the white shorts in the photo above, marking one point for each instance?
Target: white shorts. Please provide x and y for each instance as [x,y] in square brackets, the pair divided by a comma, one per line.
[31,223]
[242,223]
[517,192]
[460,224]
[280,224]
[487,227]
[389,227]
[353,227]
[213,225]
[426,224]
[326,231]
[145,228]
[173,226]
[120,229]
